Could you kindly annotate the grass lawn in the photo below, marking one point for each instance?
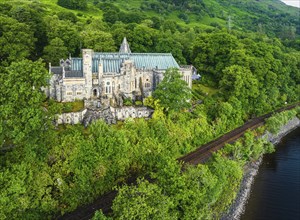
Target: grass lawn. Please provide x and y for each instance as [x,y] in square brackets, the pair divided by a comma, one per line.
[200,90]
[75,106]
[52,6]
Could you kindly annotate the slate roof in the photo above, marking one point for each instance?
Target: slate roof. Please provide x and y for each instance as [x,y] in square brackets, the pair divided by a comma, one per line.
[73,71]
[73,74]
[112,61]
[56,69]
[77,64]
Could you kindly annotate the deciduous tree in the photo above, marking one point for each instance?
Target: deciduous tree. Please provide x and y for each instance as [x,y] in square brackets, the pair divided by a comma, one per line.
[22,116]
[173,92]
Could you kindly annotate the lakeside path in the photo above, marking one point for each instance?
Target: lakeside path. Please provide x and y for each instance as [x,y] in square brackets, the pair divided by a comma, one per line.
[200,155]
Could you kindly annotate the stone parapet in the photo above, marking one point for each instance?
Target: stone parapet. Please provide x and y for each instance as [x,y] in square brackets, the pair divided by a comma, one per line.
[70,118]
[109,114]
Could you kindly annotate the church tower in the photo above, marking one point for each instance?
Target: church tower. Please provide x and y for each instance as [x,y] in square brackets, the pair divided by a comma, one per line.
[87,58]
[124,48]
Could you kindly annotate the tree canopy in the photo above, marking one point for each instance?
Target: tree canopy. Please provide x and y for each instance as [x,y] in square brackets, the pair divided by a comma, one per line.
[22,115]
[173,92]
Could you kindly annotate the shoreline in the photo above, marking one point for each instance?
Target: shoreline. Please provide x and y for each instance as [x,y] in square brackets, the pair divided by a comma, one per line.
[251,170]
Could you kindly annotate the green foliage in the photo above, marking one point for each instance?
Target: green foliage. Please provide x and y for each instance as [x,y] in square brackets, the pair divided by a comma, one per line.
[16,39]
[146,201]
[201,192]
[275,122]
[173,93]
[138,103]
[65,30]
[73,4]
[98,40]
[55,51]
[128,102]
[99,216]
[54,171]
[248,148]
[67,16]
[21,114]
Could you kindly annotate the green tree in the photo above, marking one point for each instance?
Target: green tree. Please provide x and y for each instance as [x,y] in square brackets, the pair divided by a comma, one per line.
[145,201]
[167,44]
[22,116]
[143,38]
[173,92]
[55,51]
[66,31]
[32,15]
[98,40]
[16,40]
[73,4]
[239,82]
[211,53]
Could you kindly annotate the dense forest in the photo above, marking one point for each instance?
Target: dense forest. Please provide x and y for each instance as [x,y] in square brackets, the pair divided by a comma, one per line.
[248,55]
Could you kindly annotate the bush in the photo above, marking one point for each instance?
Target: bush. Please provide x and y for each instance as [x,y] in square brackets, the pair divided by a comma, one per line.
[274,123]
[73,4]
[67,16]
[127,102]
[138,103]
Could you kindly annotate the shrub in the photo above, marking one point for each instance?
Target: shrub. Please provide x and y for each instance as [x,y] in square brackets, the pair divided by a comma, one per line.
[274,123]
[127,102]
[73,4]
[138,103]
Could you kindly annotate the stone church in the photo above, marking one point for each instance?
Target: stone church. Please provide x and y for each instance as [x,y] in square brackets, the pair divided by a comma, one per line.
[112,77]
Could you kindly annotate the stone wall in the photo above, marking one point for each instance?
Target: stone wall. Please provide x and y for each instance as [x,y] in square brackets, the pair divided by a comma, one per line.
[110,115]
[98,114]
[131,112]
[71,118]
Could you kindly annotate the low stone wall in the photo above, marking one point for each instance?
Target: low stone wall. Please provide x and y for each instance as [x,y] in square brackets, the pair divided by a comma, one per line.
[71,118]
[251,170]
[110,115]
[131,112]
[104,114]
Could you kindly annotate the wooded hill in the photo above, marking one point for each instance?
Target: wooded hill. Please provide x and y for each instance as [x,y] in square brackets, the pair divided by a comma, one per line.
[247,71]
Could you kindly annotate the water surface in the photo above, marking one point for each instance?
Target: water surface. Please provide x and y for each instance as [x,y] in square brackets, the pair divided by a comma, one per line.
[275,194]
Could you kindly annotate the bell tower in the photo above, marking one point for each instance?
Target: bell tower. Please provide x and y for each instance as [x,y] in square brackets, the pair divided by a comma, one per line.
[87,59]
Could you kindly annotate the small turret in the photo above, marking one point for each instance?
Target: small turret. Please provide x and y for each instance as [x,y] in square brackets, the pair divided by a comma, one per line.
[124,48]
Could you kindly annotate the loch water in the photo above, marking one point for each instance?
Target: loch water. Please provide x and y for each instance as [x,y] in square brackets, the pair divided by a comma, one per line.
[275,193]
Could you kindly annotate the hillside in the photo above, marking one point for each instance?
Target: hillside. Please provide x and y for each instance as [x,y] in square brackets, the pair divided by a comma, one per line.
[249,67]
[269,16]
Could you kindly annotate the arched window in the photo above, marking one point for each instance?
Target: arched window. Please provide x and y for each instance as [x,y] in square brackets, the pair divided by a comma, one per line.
[95,92]
[147,84]
[113,86]
[108,88]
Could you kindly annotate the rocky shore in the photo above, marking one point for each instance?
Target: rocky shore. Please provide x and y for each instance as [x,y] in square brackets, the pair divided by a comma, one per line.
[251,170]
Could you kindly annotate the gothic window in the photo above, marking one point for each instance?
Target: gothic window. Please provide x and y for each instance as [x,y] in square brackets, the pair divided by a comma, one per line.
[108,88]
[147,85]
[69,93]
[95,92]
[135,83]
[113,86]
